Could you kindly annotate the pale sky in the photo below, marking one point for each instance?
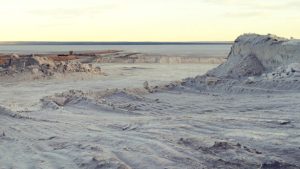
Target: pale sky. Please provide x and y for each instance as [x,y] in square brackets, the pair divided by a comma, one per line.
[146,20]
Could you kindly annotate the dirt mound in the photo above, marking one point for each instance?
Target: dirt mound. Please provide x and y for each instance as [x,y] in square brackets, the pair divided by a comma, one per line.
[252,54]
[44,66]
[256,63]
[111,98]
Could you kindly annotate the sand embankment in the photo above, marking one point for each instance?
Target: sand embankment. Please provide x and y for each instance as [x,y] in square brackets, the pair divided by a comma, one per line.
[256,63]
[36,67]
[253,54]
[125,57]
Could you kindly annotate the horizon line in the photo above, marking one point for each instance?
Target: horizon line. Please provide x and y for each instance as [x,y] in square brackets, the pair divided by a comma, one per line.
[112,42]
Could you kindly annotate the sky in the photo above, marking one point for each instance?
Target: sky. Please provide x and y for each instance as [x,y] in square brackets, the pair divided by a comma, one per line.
[146,20]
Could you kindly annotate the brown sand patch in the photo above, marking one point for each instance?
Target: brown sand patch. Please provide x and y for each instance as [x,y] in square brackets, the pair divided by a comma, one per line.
[63,58]
[3,59]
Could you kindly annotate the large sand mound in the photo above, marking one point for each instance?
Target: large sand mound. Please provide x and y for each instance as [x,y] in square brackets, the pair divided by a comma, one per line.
[256,63]
[252,54]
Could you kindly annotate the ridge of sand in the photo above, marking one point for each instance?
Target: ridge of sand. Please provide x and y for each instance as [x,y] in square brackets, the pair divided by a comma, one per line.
[37,67]
[252,54]
[256,63]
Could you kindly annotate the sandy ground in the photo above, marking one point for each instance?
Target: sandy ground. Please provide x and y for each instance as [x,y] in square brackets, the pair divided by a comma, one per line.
[25,95]
[169,129]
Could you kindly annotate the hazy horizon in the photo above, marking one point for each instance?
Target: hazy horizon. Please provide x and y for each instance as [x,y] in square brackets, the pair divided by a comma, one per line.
[113,42]
[146,21]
